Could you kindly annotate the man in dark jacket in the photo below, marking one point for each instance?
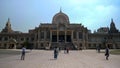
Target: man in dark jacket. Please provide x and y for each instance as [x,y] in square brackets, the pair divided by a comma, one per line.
[107,53]
[55,52]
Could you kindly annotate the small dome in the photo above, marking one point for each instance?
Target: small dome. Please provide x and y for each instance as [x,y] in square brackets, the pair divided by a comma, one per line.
[60,18]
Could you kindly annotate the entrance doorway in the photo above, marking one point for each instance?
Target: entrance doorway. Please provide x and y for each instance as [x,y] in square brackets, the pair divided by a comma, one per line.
[68,38]
[61,38]
[54,38]
[11,46]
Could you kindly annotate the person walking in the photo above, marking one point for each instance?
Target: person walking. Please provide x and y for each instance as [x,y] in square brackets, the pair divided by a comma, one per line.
[107,53]
[23,53]
[55,53]
[98,48]
[67,50]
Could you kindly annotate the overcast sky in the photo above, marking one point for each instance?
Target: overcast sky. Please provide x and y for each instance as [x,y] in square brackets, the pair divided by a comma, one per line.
[28,14]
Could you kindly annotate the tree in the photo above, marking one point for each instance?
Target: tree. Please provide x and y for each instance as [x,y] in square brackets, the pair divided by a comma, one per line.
[26,44]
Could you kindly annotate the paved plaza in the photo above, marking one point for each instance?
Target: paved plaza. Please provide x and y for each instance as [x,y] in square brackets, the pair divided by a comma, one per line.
[75,59]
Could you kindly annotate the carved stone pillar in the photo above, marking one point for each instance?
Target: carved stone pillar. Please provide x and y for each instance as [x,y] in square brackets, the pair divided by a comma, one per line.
[45,35]
[50,36]
[65,36]
[35,40]
[57,36]
[83,38]
[77,35]
[72,35]
[7,46]
[38,37]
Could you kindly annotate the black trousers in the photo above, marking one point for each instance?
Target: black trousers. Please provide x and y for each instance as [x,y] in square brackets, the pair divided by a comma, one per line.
[107,57]
[23,56]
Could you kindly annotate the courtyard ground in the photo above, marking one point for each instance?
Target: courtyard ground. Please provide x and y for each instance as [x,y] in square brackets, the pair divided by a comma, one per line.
[75,59]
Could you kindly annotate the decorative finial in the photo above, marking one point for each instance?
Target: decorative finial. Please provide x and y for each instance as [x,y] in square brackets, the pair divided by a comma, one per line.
[111,19]
[8,19]
[60,10]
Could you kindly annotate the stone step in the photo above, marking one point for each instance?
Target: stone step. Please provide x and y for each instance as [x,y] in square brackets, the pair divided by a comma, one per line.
[62,45]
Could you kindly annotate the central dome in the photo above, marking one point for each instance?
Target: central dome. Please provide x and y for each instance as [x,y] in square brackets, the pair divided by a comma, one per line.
[60,18]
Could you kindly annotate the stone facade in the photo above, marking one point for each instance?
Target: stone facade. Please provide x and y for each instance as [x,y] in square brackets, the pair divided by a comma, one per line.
[60,33]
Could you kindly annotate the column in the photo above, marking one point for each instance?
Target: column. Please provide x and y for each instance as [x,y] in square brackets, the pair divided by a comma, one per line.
[7,46]
[72,35]
[57,36]
[114,47]
[77,36]
[14,46]
[45,35]
[50,36]
[38,38]
[83,38]
[65,36]
[35,46]
[38,35]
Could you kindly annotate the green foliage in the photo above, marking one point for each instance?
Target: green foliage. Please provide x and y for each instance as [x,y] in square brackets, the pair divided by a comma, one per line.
[27,45]
[115,52]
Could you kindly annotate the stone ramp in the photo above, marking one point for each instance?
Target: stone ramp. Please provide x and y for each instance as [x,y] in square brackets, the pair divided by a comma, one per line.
[75,59]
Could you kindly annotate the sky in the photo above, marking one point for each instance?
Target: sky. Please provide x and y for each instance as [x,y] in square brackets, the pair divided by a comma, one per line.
[28,14]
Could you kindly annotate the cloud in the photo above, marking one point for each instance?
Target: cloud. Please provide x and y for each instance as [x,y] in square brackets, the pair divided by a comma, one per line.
[92,12]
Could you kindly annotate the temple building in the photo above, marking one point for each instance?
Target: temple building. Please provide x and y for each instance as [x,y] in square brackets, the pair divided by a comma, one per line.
[60,33]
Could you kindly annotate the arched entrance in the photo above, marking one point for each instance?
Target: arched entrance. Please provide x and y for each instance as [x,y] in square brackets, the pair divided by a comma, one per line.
[12,44]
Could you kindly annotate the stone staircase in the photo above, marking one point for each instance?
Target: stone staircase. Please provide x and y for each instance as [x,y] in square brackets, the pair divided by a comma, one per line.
[62,45]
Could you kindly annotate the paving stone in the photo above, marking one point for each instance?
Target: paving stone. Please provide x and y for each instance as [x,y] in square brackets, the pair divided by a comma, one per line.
[75,59]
